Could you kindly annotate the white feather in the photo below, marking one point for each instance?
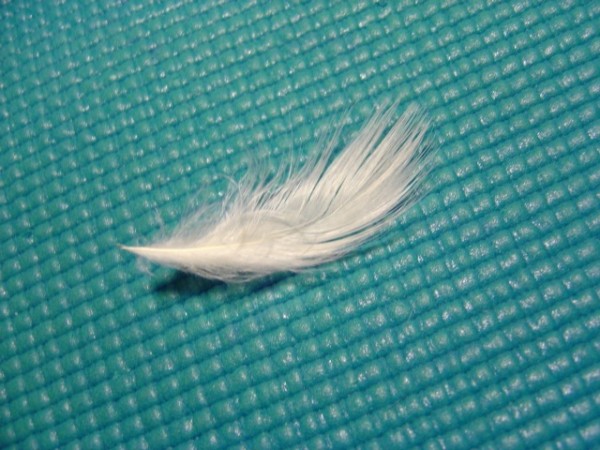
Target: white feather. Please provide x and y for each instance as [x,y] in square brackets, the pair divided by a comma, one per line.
[298,220]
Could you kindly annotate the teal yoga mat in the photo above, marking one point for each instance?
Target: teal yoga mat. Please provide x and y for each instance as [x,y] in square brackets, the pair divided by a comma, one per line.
[472,322]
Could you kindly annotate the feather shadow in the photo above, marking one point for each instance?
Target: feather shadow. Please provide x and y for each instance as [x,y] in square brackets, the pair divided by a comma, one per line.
[183,283]
[190,285]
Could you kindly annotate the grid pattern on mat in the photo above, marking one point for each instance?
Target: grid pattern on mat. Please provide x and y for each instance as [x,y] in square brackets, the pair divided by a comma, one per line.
[472,323]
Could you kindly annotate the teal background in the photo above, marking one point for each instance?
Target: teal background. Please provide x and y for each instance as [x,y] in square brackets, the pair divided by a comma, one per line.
[472,323]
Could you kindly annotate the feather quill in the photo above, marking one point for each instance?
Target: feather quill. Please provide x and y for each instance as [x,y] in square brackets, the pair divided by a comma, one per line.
[305,217]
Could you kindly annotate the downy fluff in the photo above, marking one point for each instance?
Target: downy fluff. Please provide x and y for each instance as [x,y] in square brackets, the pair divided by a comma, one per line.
[305,217]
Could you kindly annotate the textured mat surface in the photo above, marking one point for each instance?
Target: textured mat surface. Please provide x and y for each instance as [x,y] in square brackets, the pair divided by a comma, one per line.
[473,322]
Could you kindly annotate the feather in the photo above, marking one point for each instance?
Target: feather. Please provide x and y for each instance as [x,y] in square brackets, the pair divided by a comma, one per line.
[305,217]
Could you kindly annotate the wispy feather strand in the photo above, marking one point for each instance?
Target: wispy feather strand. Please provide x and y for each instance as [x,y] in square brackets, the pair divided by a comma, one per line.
[309,216]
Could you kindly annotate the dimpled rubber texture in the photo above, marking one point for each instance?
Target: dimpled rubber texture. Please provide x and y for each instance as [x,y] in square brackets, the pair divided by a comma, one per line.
[473,322]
